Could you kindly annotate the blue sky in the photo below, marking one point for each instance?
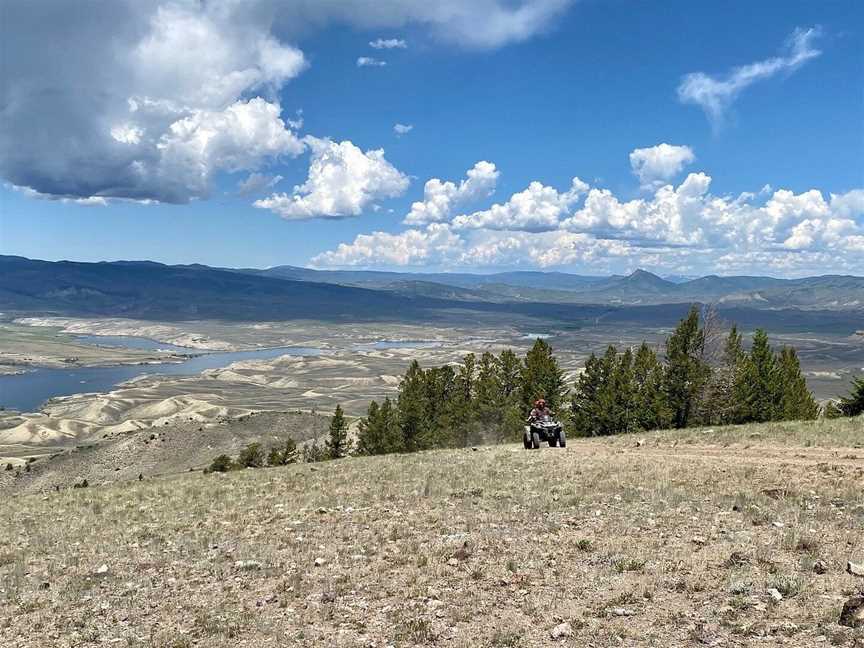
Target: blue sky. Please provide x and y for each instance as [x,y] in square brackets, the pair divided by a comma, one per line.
[568,91]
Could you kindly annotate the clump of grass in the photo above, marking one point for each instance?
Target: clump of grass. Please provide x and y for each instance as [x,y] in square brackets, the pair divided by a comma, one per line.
[584,544]
[787,585]
[622,565]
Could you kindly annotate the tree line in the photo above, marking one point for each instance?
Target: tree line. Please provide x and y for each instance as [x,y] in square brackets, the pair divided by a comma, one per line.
[704,376]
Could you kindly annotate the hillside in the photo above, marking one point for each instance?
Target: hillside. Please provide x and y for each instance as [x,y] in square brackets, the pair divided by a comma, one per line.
[831,292]
[665,539]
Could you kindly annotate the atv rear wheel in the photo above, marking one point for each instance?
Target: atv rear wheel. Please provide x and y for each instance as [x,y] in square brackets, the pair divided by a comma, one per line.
[535,440]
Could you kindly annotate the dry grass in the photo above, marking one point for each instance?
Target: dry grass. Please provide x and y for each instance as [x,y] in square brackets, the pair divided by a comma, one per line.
[633,546]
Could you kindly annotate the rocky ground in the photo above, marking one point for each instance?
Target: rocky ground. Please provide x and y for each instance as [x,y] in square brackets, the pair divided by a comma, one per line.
[733,537]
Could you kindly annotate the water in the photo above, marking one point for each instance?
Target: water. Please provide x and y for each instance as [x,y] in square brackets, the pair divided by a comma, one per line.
[26,392]
[129,342]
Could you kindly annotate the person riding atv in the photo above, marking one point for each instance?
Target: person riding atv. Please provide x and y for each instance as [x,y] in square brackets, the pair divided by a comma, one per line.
[543,427]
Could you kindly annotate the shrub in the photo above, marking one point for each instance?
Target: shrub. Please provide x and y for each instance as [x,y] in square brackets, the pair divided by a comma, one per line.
[283,456]
[222,463]
[252,456]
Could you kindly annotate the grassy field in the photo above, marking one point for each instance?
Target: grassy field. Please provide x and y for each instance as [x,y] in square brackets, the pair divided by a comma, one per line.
[666,539]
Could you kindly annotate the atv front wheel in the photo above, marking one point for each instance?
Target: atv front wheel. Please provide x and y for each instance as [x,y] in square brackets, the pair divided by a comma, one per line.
[535,440]
[526,441]
[562,439]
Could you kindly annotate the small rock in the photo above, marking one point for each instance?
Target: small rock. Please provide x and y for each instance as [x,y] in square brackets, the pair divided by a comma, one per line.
[320,562]
[247,565]
[453,562]
[328,597]
[778,525]
[699,540]
[561,631]
[820,567]
[640,443]
[775,595]
[102,570]
[852,615]
[855,570]
[463,552]
[44,585]
[622,612]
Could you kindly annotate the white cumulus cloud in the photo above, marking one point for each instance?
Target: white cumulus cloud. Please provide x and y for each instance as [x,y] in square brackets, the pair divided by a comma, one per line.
[402,129]
[538,208]
[342,181]
[715,94]
[656,164]
[142,84]
[441,197]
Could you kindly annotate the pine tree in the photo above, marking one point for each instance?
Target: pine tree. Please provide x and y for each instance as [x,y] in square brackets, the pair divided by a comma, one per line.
[337,443]
[379,432]
[510,375]
[651,412]
[583,406]
[443,411]
[411,406]
[489,397]
[757,386]
[853,404]
[686,372]
[796,401]
[542,378]
[462,413]
[718,405]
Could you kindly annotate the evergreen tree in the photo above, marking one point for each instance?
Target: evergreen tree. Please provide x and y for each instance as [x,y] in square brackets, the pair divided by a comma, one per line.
[542,378]
[442,425]
[853,404]
[584,404]
[337,443]
[686,371]
[796,401]
[718,405]
[411,406]
[510,375]
[379,432]
[462,413]
[757,387]
[489,397]
[651,412]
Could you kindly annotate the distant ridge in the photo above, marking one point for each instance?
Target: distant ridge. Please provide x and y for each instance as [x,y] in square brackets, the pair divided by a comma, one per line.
[150,290]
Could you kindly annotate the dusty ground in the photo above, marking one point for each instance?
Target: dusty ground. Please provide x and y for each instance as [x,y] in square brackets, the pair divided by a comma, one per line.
[671,542]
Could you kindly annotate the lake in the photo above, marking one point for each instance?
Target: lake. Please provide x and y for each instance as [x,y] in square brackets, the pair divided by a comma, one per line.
[26,392]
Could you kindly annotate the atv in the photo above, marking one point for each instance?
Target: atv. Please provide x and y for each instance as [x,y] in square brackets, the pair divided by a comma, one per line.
[547,429]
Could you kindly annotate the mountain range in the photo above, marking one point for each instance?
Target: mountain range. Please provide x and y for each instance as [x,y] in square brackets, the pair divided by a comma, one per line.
[149,290]
[832,292]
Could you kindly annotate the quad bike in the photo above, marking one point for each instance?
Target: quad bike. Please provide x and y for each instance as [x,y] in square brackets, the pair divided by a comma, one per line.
[546,429]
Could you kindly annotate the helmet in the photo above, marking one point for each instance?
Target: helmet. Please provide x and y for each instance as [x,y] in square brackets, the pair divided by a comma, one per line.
[540,403]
